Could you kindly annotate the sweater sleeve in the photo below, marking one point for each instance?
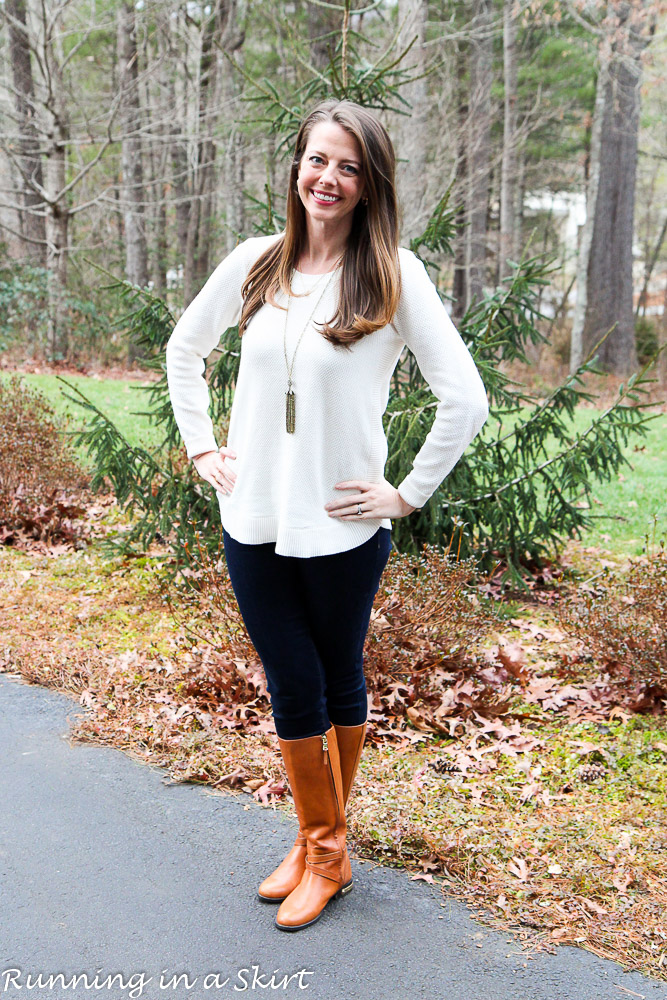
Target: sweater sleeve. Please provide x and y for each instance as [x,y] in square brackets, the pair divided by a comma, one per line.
[213,310]
[423,323]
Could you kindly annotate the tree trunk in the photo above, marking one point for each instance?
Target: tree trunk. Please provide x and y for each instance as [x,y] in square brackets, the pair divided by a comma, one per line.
[508,166]
[234,182]
[28,159]
[604,278]
[57,213]
[460,283]
[412,130]
[479,146]
[577,354]
[651,259]
[662,342]
[221,27]
[158,160]
[234,167]
[322,24]
[133,193]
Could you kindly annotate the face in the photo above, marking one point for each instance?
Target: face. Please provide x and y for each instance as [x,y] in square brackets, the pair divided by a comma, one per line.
[330,166]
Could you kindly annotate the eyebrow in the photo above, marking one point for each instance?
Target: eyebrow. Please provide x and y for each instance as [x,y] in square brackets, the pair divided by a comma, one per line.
[320,153]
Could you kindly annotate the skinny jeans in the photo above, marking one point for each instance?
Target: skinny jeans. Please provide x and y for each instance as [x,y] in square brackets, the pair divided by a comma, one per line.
[308,618]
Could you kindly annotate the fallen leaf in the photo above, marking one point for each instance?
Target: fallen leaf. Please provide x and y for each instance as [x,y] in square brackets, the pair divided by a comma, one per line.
[528,791]
[518,867]
[621,879]
[512,655]
[593,906]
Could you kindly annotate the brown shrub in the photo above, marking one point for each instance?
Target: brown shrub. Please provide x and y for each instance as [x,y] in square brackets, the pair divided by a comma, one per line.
[422,660]
[623,624]
[38,470]
[420,653]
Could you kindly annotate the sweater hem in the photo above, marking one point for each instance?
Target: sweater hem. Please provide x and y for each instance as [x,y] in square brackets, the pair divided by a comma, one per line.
[303,542]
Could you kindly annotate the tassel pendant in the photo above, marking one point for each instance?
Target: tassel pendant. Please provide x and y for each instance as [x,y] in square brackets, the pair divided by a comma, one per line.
[289,411]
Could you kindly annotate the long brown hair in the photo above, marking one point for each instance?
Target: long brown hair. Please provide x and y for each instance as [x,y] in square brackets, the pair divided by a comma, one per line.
[370,284]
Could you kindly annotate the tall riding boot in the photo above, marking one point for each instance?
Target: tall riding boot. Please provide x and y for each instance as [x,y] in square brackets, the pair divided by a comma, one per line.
[313,769]
[288,874]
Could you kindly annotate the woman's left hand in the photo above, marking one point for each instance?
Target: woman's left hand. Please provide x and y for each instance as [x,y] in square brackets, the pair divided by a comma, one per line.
[376,499]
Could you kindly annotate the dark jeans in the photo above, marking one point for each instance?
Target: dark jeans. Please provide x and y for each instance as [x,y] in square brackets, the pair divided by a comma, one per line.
[307,619]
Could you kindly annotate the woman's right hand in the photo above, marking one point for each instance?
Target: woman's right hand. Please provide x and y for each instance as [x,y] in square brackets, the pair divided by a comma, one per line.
[211,466]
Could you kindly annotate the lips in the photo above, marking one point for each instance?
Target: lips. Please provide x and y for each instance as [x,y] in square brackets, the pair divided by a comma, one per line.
[329,200]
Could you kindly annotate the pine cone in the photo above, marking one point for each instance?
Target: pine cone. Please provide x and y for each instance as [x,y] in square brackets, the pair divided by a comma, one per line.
[591,772]
[444,765]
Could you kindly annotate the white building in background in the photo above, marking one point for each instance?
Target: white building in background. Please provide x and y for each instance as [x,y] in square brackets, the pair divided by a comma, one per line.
[568,212]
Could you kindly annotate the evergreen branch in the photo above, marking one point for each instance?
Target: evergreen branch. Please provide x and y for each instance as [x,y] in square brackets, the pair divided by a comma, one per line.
[493,494]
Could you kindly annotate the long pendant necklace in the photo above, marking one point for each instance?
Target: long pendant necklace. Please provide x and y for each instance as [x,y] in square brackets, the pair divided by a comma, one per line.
[290,410]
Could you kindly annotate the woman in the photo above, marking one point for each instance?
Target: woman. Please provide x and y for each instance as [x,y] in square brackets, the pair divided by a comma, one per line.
[324,310]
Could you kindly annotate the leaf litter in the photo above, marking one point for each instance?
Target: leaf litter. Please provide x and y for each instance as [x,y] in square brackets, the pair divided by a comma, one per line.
[479,729]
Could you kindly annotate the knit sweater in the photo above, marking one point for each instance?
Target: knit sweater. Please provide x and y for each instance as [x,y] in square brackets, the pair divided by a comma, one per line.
[284,480]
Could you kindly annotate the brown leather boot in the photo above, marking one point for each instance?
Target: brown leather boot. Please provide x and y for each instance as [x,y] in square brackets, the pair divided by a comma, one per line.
[289,872]
[313,769]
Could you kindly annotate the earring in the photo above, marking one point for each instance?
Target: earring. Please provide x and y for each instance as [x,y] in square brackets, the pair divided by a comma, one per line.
[364,201]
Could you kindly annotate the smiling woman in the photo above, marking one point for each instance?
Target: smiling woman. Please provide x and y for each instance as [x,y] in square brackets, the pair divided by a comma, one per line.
[330,185]
[324,311]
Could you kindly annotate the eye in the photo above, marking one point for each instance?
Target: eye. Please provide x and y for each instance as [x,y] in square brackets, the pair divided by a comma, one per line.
[315,157]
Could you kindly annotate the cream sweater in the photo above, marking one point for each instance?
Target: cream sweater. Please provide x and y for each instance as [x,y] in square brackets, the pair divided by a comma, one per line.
[284,480]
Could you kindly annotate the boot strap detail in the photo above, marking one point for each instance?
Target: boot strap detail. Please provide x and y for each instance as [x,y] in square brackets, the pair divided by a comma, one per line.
[329,876]
[314,859]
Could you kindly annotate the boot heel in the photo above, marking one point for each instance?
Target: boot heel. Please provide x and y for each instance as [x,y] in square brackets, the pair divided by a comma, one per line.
[344,890]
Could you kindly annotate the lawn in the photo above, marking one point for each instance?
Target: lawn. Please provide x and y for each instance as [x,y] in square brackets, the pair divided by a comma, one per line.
[121,400]
[634,504]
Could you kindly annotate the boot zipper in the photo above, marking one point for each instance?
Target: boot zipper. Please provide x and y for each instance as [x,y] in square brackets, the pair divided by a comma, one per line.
[325,748]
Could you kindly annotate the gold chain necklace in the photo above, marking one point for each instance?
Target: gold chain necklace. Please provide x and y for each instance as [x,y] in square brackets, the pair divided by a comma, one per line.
[290,412]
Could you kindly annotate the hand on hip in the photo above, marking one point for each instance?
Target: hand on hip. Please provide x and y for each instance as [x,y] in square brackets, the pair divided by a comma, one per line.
[211,466]
[368,500]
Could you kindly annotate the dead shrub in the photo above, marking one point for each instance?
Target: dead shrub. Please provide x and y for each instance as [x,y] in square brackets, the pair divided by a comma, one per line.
[420,661]
[39,474]
[622,622]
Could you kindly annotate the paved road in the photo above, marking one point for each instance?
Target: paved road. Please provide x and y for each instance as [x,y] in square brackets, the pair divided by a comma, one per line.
[106,870]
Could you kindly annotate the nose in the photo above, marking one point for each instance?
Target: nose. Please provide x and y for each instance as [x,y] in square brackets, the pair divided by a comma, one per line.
[327,176]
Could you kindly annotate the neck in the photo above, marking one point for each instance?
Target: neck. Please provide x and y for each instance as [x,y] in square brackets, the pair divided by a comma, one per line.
[323,245]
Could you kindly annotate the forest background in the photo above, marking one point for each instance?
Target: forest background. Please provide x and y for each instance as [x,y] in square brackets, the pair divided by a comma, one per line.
[517,655]
[147,138]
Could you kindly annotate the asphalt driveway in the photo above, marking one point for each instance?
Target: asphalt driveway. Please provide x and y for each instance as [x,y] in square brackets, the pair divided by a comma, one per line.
[110,875]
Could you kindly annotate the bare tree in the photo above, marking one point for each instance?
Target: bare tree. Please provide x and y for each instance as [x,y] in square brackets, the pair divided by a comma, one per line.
[323,26]
[132,171]
[479,146]
[413,129]
[508,236]
[28,161]
[53,104]
[604,271]
[234,166]
[461,187]
[220,32]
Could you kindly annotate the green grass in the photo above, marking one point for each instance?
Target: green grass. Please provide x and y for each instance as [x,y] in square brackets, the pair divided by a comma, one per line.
[633,504]
[119,399]
[627,509]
